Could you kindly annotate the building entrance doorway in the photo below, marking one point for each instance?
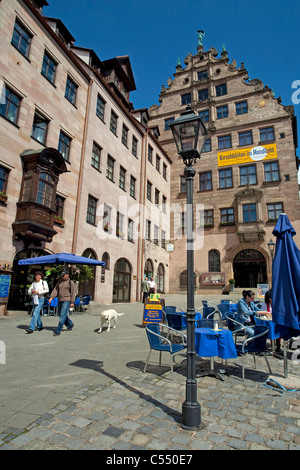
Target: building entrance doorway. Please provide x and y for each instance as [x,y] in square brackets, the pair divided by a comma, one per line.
[22,278]
[88,287]
[249,267]
[122,281]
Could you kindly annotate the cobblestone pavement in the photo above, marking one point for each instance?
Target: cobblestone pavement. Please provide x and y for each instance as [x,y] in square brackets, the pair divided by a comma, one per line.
[87,391]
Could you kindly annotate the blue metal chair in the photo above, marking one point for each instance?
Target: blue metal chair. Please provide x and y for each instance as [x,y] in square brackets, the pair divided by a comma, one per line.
[205,323]
[171,309]
[158,342]
[223,309]
[254,345]
[77,304]
[177,321]
[45,308]
[85,302]
[234,326]
[208,323]
[53,306]
[208,312]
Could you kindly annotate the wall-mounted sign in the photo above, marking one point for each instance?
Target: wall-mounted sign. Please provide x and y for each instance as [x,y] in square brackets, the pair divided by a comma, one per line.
[170,247]
[247,155]
[261,291]
[209,279]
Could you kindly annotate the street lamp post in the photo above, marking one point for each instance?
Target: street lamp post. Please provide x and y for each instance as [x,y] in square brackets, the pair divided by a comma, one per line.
[190,134]
[271,246]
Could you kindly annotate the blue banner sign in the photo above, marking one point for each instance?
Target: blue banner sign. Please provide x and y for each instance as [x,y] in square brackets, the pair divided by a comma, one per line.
[4,285]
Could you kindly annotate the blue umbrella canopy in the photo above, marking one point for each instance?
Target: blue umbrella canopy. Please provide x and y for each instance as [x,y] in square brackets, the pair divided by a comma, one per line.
[61,258]
[286,276]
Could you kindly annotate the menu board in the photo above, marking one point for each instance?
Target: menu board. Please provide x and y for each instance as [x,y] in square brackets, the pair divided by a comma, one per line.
[153,311]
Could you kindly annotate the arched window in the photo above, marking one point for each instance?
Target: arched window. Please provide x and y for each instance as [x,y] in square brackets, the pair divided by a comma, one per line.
[160,278]
[106,259]
[148,270]
[88,287]
[183,280]
[214,265]
[122,281]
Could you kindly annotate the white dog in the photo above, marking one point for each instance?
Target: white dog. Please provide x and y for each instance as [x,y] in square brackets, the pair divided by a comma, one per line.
[108,316]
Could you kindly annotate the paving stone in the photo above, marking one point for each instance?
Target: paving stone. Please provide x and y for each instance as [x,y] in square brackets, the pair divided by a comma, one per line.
[143,411]
[81,422]
[113,432]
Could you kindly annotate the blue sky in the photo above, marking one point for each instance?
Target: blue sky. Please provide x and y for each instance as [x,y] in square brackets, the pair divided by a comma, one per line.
[264,34]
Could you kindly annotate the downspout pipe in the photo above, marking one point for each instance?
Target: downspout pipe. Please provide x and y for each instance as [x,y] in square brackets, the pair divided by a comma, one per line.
[80,177]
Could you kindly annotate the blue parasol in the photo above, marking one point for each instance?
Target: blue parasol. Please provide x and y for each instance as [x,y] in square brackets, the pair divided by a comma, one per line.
[286,283]
[61,258]
[286,276]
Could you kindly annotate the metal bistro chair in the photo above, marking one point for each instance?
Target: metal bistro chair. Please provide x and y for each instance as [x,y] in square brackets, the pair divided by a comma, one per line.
[85,302]
[158,342]
[76,304]
[254,345]
[208,323]
[53,306]
[208,312]
[234,326]
[169,309]
[176,321]
[223,309]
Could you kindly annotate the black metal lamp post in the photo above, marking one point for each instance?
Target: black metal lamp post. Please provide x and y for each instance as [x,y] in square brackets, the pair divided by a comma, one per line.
[190,134]
[271,246]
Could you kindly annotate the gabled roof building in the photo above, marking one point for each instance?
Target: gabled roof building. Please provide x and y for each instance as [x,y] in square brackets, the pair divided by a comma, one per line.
[246,177]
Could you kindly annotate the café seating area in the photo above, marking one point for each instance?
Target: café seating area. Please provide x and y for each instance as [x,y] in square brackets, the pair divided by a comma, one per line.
[217,335]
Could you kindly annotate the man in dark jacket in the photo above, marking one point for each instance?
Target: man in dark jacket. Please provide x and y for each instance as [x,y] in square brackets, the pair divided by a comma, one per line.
[65,291]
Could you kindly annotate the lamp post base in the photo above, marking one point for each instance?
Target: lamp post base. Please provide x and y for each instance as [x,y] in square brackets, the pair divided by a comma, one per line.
[191,417]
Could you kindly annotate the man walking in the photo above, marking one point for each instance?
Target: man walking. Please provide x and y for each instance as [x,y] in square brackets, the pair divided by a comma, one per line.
[145,288]
[65,291]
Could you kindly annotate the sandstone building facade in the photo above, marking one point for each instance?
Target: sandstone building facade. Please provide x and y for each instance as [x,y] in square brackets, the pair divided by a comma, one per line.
[74,160]
[246,177]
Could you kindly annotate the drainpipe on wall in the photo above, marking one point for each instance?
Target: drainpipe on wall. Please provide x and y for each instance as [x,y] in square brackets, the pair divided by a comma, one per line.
[79,187]
[141,238]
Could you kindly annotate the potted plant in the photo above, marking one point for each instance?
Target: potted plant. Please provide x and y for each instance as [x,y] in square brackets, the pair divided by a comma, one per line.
[232,284]
[59,220]
[3,196]
[107,227]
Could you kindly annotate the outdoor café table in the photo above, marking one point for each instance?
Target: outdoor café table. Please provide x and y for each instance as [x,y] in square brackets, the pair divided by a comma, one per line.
[275,331]
[211,343]
[279,331]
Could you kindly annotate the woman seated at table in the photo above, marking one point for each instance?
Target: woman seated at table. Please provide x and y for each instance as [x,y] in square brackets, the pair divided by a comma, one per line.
[246,309]
[267,305]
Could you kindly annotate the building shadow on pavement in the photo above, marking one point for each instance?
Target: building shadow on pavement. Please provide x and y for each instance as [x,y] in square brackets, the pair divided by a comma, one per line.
[98,367]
